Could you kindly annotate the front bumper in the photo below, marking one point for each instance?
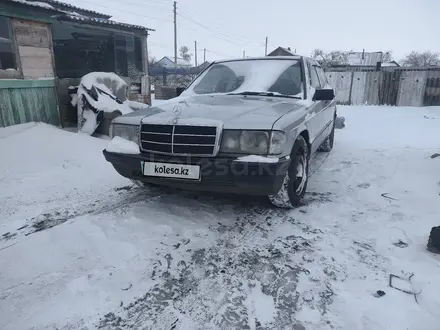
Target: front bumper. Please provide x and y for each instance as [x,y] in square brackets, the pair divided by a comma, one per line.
[218,174]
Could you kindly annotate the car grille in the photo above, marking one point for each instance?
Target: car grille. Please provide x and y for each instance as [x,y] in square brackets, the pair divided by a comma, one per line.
[179,139]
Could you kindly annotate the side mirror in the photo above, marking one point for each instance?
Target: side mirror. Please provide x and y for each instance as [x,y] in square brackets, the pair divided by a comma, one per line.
[324,95]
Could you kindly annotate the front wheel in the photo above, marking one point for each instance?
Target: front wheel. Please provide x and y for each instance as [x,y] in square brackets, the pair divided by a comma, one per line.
[295,182]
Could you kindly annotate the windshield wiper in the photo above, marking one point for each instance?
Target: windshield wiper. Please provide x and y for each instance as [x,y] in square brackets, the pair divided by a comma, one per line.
[271,94]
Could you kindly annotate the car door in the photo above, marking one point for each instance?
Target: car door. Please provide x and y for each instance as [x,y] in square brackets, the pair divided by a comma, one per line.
[328,107]
[314,119]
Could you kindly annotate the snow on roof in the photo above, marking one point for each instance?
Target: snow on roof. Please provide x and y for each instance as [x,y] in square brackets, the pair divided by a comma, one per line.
[51,4]
[102,21]
[180,61]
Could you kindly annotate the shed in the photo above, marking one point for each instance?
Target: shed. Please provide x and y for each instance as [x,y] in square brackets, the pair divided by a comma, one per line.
[48,46]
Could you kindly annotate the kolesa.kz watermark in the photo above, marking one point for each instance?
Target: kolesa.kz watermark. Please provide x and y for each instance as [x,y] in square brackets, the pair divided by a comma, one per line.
[170,170]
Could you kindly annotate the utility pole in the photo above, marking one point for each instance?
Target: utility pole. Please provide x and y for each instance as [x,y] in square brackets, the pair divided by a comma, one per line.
[195,51]
[204,55]
[265,48]
[175,34]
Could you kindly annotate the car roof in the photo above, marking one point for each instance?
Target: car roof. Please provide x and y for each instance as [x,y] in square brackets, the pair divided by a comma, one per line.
[295,57]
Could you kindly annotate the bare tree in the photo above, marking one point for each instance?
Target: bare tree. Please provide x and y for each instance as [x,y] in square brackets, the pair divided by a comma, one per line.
[426,58]
[185,54]
[387,56]
[335,57]
[319,56]
[152,60]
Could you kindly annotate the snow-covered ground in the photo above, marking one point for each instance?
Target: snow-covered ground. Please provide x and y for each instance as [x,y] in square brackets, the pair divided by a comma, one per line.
[81,248]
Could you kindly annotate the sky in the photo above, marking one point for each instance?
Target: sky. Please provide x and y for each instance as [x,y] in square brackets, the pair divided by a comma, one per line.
[226,28]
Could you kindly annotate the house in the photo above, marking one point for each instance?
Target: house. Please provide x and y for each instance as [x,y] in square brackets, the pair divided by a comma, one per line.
[168,62]
[363,61]
[47,46]
[364,58]
[281,51]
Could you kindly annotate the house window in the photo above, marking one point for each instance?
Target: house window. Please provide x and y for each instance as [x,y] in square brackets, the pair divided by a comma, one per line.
[7,56]
[79,51]
[121,55]
[128,50]
[138,54]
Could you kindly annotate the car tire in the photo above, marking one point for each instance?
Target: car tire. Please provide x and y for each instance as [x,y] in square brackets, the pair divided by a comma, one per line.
[328,143]
[292,191]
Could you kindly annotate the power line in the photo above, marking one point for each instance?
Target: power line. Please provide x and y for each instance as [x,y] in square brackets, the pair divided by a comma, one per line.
[103,5]
[219,54]
[219,34]
[162,45]
[241,39]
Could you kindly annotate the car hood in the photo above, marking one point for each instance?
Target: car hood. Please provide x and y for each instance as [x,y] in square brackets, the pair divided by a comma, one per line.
[231,111]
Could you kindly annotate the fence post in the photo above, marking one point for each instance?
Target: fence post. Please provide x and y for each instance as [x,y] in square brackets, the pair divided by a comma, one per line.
[164,77]
[351,87]
[145,89]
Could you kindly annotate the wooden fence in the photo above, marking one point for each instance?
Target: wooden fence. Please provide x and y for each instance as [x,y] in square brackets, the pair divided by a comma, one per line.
[23,101]
[394,86]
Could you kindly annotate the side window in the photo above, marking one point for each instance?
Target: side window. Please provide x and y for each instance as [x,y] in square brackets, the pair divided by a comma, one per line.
[322,77]
[314,80]
[7,56]
[289,82]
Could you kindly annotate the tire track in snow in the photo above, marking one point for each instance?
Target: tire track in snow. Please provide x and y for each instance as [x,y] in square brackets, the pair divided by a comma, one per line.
[212,290]
[116,199]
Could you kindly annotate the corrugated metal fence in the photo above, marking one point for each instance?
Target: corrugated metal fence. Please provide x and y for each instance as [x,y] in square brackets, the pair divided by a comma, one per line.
[390,86]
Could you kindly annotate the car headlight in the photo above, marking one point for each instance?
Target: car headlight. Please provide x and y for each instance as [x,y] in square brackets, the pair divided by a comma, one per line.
[277,141]
[128,132]
[252,142]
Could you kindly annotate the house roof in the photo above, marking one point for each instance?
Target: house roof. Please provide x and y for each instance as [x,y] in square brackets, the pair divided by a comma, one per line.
[55,5]
[281,51]
[62,12]
[100,21]
[364,58]
[180,61]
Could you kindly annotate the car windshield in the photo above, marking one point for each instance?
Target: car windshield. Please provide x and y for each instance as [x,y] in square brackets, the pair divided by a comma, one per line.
[269,77]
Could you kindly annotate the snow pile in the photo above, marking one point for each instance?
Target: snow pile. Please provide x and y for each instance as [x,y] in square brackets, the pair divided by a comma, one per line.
[257,159]
[123,146]
[81,248]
